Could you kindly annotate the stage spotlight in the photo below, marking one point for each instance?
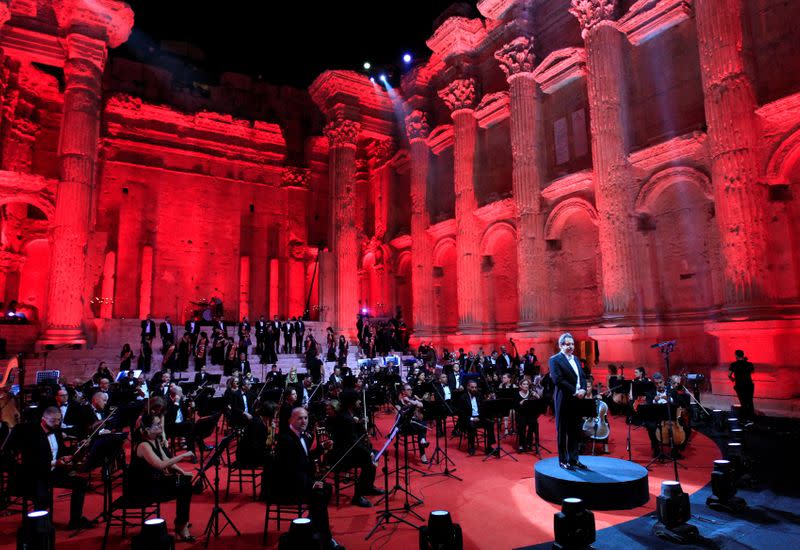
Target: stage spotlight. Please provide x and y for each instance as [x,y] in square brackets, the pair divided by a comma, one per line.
[440,533]
[153,536]
[301,536]
[723,487]
[383,77]
[673,512]
[367,65]
[573,525]
[372,79]
[37,532]
[407,58]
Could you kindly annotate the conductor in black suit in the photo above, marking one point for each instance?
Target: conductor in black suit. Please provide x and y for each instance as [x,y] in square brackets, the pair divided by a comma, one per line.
[294,461]
[569,381]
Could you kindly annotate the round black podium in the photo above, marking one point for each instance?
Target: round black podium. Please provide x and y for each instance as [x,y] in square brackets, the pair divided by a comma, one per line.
[608,484]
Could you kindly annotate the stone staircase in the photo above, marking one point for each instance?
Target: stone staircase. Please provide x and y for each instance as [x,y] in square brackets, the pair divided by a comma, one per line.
[111,334]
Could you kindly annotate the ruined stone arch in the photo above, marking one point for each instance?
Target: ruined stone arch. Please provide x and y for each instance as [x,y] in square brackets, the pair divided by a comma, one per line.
[445,284]
[403,296]
[562,212]
[783,160]
[659,182]
[500,278]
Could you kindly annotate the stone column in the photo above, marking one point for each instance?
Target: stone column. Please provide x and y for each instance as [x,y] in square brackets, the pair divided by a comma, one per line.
[517,61]
[459,96]
[730,103]
[77,154]
[423,300]
[614,187]
[343,136]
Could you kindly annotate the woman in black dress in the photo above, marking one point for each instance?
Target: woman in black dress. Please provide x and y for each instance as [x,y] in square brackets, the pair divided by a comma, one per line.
[125,358]
[154,476]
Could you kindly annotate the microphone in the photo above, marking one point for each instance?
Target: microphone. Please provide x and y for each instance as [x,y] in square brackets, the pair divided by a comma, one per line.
[663,344]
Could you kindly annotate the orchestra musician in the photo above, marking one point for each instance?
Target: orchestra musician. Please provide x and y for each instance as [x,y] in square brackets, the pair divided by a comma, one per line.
[416,426]
[285,412]
[527,419]
[469,418]
[46,463]
[154,476]
[660,396]
[258,438]
[261,335]
[179,416]
[294,460]
[346,431]
[570,381]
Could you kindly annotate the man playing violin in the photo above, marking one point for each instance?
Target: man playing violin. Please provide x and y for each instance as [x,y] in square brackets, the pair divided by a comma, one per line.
[45,463]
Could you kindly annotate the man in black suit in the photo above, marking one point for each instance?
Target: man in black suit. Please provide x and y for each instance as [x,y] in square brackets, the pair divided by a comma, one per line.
[45,464]
[72,414]
[569,381]
[504,361]
[288,331]
[294,460]
[261,335]
[201,377]
[192,327]
[276,330]
[469,418]
[299,333]
[167,332]
[148,327]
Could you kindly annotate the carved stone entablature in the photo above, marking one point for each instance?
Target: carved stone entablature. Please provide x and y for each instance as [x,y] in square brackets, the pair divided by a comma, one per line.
[591,12]
[492,109]
[577,183]
[381,151]
[560,68]
[516,57]
[782,114]
[459,94]
[11,261]
[417,125]
[647,19]
[497,211]
[107,20]
[441,138]
[295,176]
[342,132]
[500,9]
[83,48]
[457,36]
[351,95]
[688,148]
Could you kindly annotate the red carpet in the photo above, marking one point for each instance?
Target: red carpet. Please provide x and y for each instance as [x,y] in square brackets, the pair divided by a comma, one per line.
[495,504]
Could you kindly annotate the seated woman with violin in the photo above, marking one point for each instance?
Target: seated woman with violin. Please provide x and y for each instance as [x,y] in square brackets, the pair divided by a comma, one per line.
[416,423]
[154,476]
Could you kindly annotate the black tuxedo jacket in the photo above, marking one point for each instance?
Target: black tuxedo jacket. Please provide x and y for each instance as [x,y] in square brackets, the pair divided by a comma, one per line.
[295,466]
[144,326]
[162,330]
[564,379]
[464,407]
[261,328]
[200,377]
[188,327]
[30,441]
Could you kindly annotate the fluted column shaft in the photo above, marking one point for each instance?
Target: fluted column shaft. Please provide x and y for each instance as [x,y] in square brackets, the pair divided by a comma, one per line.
[465,132]
[421,246]
[77,153]
[343,135]
[730,104]
[613,182]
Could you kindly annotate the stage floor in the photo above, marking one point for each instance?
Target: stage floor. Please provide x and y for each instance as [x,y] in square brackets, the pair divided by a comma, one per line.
[495,504]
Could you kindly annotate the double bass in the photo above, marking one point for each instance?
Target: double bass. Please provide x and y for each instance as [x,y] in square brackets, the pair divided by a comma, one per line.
[596,427]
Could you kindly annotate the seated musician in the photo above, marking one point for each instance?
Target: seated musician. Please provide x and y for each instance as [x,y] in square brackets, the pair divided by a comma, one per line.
[71,421]
[295,480]
[508,389]
[45,463]
[179,418]
[660,396]
[273,377]
[348,434]
[469,417]
[97,411]
[255,444]
[235,403]
[154,476]
[308,391]
[527,417]
[285,412]
[681,397]
[415,425]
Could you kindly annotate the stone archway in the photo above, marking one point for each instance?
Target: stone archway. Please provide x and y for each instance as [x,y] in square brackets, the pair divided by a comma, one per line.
[445,277]
[500,277]
[403,293]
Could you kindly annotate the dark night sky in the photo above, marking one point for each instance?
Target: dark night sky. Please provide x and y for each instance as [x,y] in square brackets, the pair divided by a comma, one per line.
[289,41]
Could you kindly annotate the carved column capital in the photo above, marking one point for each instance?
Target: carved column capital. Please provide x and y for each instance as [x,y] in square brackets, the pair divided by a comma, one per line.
[107,20]
[382,151]
[591,12]
[516,57]
[342,132]
[84,54]
[417,125]
[459,94]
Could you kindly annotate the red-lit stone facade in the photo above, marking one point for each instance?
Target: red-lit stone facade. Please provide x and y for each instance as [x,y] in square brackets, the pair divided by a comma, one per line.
[626,170]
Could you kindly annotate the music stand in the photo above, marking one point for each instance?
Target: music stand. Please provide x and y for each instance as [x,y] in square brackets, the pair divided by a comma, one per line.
[639,388]
[496,410]
[535,408]
[213,521]
[103,450]
[203,428]
[437,411]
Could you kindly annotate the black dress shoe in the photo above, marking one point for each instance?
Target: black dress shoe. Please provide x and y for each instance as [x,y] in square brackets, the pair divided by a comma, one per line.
[580,465]
[361,501]
[374,491]
[566,466]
